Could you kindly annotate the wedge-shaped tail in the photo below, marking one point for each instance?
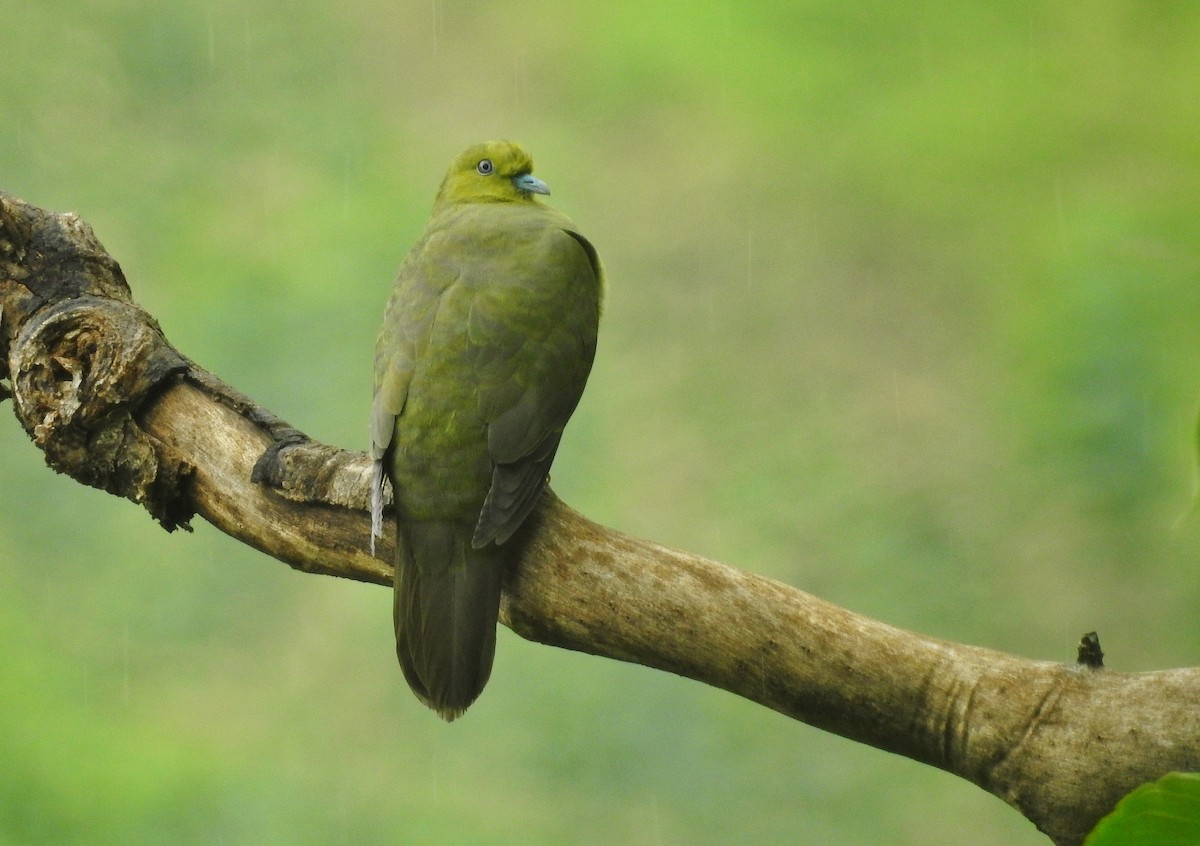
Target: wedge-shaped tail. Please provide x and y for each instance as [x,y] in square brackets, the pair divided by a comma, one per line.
[446,605]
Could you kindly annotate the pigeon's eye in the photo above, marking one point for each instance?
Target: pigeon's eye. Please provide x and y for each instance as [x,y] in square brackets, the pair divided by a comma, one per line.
[485,166]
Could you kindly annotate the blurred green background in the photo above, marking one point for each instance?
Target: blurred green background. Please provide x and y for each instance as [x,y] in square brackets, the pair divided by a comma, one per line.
[903,310]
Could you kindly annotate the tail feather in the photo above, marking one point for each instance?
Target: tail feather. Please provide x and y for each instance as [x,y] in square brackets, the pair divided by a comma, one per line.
[447,600]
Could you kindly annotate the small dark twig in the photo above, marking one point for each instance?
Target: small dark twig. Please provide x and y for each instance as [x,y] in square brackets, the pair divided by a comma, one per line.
[1090,654]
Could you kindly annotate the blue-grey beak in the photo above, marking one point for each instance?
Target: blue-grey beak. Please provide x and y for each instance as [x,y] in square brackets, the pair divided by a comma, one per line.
[530,184]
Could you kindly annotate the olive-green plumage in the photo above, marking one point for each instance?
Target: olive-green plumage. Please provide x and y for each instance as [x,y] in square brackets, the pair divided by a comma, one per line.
[486,344]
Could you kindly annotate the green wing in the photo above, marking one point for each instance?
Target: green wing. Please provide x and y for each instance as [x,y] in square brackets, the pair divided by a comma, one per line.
[536,342]
[407,324]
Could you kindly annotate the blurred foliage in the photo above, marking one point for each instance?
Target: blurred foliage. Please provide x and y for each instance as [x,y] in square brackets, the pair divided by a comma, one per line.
[1163,813]
[903,310]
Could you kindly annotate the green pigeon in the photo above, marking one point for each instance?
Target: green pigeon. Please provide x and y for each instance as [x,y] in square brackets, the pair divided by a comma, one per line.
[487,341]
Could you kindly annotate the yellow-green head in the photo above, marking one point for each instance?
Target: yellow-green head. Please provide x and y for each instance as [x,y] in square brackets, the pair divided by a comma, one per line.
[492,172]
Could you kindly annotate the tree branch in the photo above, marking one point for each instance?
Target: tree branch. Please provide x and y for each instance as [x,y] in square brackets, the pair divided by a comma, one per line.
[110,402]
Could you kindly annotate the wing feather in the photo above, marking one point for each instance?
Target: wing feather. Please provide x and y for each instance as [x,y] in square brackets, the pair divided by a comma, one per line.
[536,373]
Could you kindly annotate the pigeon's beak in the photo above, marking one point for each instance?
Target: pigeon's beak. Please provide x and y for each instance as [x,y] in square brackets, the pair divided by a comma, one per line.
[530,184]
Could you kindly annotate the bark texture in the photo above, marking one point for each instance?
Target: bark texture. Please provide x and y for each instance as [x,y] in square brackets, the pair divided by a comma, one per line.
[99,389]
